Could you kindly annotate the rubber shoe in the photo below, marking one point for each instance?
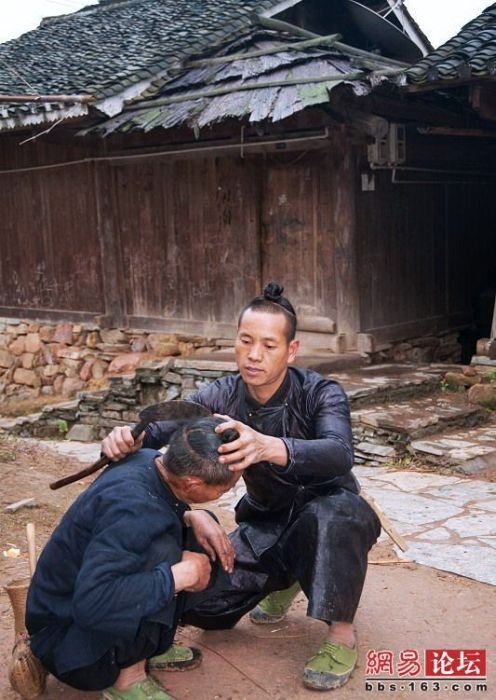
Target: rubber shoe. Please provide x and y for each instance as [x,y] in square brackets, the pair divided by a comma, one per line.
[331,667]
[273,607]
[148,689]
[176,658]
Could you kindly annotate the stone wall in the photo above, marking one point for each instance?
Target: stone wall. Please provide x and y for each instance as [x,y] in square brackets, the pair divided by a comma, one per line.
[59,360]
[444,347]
[95,413]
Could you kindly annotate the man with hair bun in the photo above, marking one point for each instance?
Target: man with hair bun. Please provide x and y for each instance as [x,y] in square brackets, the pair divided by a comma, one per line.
[127,560]
[302,522]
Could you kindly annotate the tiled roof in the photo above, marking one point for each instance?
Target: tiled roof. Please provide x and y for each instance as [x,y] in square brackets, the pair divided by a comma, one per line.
[469,54]
[270,86]
[104,49]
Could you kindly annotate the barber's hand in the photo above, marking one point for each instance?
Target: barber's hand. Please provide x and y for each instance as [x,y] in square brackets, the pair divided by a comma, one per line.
[120,443]
[212,537]
[192,573]
[251,447]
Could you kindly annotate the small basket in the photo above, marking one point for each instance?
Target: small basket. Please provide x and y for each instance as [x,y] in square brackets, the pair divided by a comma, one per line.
[26,673]
[17,591]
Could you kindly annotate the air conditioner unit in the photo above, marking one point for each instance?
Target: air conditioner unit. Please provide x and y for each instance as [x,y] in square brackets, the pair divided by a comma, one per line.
[391,149]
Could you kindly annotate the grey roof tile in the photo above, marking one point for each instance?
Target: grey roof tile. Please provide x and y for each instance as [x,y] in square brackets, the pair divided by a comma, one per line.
[218,85]
[101,47]
[471,52]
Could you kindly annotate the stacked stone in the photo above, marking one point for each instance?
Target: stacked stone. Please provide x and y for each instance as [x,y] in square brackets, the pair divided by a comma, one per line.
[441,348]
[43,360]
[376,446]
[153,381]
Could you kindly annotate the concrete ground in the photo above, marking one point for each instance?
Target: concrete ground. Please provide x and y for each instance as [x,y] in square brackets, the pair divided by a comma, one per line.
[437,595]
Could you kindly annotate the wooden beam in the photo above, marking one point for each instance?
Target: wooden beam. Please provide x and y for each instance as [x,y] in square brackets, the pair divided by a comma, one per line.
[449,83]
[452,131]
[412,111]
[214,92]
[293,29]
[281,26]
[47,98]
[493,324]
[345,238]
[483,100]
[297,46]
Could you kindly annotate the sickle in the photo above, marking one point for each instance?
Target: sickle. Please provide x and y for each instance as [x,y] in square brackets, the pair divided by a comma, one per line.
[166,410]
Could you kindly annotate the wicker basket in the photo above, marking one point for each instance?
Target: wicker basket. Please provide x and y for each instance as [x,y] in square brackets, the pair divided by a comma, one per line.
[26,674]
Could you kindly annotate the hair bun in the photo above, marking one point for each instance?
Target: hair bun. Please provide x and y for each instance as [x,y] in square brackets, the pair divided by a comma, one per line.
[229,435]
[273,292]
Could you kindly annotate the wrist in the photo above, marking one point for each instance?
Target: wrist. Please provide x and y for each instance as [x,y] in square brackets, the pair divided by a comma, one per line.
[191,515]
[275,451]
[184,574]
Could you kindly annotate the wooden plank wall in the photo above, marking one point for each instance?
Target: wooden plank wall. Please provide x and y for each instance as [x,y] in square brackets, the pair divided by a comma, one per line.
[180,244]
[183,244]
[298,240]
[424,254]
[50,249]
[188,235]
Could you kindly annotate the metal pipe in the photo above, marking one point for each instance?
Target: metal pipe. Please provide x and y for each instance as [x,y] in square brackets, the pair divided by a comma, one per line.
[422,169]
[396,181]
[177,151]
[439,171]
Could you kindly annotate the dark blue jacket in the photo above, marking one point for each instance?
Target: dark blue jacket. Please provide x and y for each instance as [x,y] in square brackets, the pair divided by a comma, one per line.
[103,570]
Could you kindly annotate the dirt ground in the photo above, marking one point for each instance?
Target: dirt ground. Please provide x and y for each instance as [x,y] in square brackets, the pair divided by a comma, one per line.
[404,606]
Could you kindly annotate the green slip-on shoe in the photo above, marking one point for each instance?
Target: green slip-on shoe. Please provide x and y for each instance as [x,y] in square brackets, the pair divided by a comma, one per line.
[148,689]
[331,667]
[273,607]
[176,658]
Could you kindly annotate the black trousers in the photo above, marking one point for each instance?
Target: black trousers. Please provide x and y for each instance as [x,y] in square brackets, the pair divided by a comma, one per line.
[324,548]
[152,637]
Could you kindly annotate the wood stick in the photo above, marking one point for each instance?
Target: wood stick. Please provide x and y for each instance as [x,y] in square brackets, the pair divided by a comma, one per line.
[385,522]
[297,46]
[31,535]
[391,562]
[215,92]
[278,24]
[46,98]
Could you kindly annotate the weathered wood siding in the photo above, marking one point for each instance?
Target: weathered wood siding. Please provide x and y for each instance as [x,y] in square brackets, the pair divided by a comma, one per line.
[188,236]
[422,255]
[297,230]
[50,250]
[182,243]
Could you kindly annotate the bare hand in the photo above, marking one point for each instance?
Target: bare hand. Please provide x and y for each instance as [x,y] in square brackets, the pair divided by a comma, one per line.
[212,537]
[251,447]
[120,443]
[192,573]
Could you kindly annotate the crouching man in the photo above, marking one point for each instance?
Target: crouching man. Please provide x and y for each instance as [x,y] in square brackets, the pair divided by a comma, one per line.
[128,559]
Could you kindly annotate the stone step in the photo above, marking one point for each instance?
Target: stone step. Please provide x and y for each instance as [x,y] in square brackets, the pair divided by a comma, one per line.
[375,384]
[471,450]
[382,433]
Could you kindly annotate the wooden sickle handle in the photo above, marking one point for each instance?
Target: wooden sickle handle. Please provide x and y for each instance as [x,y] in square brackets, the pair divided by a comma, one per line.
[99,464]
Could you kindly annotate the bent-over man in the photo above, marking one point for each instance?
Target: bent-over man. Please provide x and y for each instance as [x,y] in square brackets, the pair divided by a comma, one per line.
[122,568]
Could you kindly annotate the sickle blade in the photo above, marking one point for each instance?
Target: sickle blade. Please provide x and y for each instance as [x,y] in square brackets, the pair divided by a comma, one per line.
[177,409]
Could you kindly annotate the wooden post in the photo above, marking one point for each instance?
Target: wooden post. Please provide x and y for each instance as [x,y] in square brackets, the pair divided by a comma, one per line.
[111,258]
[493,325]
[345,270]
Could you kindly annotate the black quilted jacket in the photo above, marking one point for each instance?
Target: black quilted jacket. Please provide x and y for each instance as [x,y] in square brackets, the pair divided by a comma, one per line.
[311,415]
